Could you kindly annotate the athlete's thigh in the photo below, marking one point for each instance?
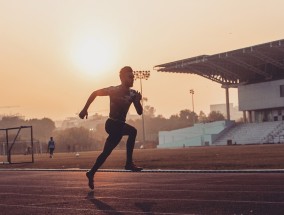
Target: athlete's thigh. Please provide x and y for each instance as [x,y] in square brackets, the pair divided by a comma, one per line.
[114,129]
[128,129]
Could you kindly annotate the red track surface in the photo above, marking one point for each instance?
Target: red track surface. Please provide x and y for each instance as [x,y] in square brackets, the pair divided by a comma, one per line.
[53,192]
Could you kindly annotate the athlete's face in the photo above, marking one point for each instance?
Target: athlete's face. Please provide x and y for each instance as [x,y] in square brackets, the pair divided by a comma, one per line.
[128,79]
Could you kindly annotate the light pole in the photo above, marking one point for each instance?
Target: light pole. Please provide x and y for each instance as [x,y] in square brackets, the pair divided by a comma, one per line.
[142,75]
[192,92]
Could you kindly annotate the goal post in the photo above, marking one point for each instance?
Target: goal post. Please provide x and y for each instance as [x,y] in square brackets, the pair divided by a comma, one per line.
[18,144]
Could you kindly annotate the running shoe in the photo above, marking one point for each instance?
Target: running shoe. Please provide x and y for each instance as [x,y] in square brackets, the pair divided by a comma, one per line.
[91,180]
[133,167]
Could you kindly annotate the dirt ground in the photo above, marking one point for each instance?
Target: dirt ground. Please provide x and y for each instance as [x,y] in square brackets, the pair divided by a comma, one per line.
[203,158]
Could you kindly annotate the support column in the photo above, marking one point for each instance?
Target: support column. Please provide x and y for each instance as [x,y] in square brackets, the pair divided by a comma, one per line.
[227,103]
[244,116]
[249,117]
[253,116]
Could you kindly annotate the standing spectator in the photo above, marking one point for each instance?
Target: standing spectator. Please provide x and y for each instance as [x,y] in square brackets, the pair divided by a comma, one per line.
[51,147]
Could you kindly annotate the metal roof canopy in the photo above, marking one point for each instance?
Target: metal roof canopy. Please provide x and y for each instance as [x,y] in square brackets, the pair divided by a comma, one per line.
[253,64]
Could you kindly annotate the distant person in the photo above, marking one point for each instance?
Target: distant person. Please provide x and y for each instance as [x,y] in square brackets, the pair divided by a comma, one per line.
[28,150]
[51,147]
[121,97]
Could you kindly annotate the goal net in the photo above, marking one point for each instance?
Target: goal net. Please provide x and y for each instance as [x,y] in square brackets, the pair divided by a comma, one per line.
[17,145]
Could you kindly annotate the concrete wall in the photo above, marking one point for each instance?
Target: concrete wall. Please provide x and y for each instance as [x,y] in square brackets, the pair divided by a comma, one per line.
[260,96]
[198,135]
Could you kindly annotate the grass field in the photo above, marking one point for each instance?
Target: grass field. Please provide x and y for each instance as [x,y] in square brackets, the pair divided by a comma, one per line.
[193,158]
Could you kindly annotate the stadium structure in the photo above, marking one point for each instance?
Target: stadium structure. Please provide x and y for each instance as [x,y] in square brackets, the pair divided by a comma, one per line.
[258,74]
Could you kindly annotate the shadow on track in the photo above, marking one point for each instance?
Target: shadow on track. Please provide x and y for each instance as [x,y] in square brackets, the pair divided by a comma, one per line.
[100,205]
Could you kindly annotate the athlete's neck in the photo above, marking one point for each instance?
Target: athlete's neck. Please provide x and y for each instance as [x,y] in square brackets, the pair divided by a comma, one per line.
[124,87]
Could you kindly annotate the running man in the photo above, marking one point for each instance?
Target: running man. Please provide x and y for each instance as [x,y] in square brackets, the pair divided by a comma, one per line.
[121,97]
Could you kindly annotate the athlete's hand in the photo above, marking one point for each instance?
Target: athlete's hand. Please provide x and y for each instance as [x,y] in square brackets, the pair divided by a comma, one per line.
[83,114]
[138,96]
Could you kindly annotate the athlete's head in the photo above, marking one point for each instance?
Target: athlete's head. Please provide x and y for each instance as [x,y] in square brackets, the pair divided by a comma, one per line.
[126,76]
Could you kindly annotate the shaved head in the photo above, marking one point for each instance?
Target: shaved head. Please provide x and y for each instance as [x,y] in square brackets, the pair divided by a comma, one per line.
[125,70]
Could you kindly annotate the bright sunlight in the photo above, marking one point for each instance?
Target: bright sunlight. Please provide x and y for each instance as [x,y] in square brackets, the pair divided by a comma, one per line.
[94,56]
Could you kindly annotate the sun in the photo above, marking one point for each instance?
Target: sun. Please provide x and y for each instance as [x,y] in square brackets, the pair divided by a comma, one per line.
[93,56]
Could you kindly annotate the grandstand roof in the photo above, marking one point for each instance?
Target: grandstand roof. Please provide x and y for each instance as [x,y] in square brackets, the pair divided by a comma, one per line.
[252,64]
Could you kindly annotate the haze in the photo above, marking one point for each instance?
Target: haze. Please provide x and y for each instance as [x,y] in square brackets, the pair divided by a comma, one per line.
[53,54]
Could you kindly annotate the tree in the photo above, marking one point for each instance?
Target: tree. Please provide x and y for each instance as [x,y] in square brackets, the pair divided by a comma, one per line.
[187,117]
[202,117]
[149,111]
[215,116]
[42,128]
[11,121]
[74,139]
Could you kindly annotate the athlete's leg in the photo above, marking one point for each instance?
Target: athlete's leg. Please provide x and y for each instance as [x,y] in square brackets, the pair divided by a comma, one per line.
[131,132]
[114,129]
[115,134]
[110,144]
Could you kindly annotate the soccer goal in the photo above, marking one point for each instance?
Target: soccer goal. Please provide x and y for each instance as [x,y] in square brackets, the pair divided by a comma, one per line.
[17,145]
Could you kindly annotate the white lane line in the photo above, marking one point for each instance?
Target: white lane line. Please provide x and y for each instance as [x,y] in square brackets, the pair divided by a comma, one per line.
[155,190]
[88,210]
[145,199]
[162,189]
[114,187]
[153,170]
[84,197]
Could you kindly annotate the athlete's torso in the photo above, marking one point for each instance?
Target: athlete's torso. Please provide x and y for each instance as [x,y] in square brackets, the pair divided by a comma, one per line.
[120,101]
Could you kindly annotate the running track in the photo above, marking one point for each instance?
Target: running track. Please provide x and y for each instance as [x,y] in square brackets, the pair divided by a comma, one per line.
[66,192]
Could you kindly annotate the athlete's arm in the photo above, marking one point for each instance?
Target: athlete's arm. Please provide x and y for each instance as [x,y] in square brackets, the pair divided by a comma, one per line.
[101,92]
[137,103]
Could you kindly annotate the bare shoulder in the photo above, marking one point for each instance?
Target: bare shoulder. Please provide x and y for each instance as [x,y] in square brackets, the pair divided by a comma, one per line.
[106,91]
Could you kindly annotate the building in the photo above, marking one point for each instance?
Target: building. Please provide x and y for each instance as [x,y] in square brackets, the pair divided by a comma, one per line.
[262,102]
[234,110]
[256,71]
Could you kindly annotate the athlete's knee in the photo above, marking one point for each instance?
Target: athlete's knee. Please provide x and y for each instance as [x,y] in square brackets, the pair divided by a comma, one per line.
[133,131]
[112,141]
[131,138]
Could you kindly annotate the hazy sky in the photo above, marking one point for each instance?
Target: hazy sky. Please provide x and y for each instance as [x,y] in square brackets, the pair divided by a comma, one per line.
[54,53]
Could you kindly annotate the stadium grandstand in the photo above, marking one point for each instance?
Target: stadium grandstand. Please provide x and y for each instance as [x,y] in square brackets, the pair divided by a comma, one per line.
[258,74]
